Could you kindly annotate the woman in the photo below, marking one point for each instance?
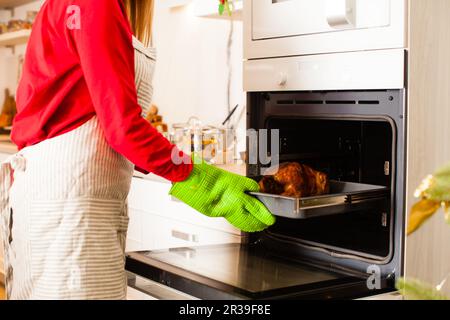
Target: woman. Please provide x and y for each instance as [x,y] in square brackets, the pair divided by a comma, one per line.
[80,133]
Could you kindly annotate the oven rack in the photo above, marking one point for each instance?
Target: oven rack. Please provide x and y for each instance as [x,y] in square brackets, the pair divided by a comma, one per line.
[344,197]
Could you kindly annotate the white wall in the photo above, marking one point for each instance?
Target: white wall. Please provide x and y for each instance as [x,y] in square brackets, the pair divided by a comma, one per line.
[192,75]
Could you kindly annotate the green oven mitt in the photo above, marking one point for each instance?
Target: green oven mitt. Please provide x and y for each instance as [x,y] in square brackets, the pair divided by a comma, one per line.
[218,193]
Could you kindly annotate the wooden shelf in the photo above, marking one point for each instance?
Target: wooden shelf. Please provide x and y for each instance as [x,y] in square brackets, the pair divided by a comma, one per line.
[8,4]
[14,38]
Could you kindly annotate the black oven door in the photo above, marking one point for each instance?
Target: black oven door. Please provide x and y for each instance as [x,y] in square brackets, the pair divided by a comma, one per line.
[236,271]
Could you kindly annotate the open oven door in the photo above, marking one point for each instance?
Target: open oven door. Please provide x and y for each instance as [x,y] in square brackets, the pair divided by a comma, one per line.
[236,271]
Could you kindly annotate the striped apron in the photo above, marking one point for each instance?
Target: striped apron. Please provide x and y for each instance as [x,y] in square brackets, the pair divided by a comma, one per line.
[63,207]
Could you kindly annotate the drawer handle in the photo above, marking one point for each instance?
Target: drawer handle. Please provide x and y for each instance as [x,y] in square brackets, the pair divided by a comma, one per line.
[282,79]
[341,13]
[185,236]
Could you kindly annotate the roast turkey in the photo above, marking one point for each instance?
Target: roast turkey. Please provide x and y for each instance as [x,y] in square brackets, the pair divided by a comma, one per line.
[295,180]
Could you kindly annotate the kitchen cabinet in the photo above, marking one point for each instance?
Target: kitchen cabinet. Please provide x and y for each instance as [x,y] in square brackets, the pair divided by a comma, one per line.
[152,196]
[343,70]
[157,221]
[149,231]
[300,27]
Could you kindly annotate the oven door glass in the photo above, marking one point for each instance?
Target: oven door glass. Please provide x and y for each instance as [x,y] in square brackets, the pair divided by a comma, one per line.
[240,271]
[287,18]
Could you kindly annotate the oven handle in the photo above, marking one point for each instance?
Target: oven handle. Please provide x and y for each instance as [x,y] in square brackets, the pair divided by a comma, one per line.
[341,14]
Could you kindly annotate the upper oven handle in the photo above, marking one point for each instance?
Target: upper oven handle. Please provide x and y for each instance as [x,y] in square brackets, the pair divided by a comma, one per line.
[357,14]
[341,14]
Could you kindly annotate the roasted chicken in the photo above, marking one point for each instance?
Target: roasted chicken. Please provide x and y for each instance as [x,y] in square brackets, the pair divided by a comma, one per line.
[295,180]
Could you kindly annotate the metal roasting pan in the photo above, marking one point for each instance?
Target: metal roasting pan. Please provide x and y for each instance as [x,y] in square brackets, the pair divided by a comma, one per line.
[343,197]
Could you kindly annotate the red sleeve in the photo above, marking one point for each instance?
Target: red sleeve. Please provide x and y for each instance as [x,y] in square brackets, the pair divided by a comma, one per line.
[104,46]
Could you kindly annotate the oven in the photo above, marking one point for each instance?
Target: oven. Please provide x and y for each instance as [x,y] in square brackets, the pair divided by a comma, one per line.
[358,139]
[318,88]
[333,250]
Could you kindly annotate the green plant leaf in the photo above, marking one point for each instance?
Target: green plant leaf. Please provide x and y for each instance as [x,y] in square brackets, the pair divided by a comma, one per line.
[421,212]
[416,290]
[439,189]
[221,9]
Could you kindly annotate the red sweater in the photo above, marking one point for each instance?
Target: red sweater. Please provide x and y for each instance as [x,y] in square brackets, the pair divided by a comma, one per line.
[81,65]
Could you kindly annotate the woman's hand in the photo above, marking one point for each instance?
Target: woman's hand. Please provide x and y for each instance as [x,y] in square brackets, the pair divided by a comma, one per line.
[218,193]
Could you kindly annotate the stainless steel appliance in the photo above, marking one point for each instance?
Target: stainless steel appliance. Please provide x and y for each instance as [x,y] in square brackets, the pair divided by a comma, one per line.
[365,101]
[352,249]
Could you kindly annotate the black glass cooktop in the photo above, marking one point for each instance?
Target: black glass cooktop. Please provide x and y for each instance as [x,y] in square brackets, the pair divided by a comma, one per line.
[235,271]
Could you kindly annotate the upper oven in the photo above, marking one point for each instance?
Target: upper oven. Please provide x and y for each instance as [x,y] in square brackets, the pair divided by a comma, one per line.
[276,28]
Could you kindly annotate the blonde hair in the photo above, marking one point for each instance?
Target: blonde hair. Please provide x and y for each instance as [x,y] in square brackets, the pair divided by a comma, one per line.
[140,13]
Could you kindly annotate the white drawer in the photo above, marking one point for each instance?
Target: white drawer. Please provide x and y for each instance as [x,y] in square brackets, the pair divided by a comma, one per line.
[173,234]
[153,197]
[152,232]
[339,71]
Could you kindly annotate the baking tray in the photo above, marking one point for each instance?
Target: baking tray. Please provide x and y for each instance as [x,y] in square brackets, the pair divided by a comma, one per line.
[343,197]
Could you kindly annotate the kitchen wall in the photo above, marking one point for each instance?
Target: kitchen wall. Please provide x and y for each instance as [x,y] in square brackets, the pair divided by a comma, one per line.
[192,73]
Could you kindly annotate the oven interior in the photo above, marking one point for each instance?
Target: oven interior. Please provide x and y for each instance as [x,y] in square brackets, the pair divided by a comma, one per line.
[350,137]
[346,150]
[353,136]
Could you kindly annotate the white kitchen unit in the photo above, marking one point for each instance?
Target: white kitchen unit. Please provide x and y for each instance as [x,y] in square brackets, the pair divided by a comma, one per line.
[2,271]
[342,70]
[158,221]
[280,28]
[363,45]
